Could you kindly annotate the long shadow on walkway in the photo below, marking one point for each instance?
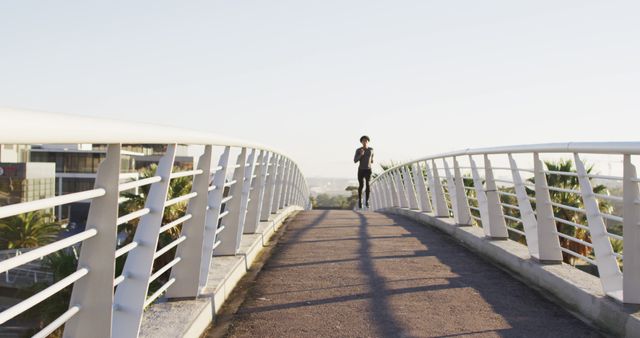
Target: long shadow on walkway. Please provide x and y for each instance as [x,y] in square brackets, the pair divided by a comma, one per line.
[392,278]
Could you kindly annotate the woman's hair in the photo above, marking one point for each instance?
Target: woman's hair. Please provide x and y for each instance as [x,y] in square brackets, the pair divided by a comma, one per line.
[365,137]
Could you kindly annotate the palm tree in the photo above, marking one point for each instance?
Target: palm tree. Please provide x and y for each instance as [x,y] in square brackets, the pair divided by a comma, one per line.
[177,187]
[28,230]
[61,264]
[572,200]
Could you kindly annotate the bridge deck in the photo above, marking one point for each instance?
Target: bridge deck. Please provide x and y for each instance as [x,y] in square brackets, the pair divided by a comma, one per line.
[350,274]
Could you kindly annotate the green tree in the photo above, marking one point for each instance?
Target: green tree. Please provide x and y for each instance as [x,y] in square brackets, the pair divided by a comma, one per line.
[571,200]
[61,264]
[177,187]
[28,230]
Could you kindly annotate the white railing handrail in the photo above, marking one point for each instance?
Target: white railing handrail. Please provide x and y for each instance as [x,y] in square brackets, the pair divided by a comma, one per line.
[58,128]
[629,148]
[438,184]
[264,182]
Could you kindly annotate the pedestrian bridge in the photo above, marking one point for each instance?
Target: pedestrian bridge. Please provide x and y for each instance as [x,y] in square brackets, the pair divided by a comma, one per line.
[478,242]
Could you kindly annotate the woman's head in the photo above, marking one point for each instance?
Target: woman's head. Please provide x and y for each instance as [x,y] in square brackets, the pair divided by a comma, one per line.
[364,140]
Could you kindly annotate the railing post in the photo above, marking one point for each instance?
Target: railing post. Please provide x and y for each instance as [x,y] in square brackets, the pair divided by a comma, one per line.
[464,213]
[257,193]
[631,229]
[232,226]
[187,272]
[94,292]
[481,197]
[411,191]
[437,191]
[211,229]
[391,185]
[608,269]
[131,294]
[498,227]
[381,195]
[402,194]
[548,240]
[418,176]
[270,188]
[526,211]
[285,184]
[374,196]
[277,197]
[386,193]
[292,184]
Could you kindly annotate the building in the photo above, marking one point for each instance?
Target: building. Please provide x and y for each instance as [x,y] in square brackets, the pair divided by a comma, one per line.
[13,153]
[76,166]
[23,182]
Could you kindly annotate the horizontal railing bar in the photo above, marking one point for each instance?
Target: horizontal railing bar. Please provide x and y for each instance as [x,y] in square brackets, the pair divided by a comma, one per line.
[506,193]
[118,280]
[133,215]
[159,292]
[510,169]
[570,191]
[517,231]
[83,129]
[164,269]
[614,236]
[216,244]
[212,188]
[469,188]
[513,218]
[230,183]
[58,322]
[563,206]
[169,246]
[605,177]
[32,255]
[476,218]
[612,217]
[40,296]
[503,181]
[474,208]
[564,221]
[180,199]
[226,199]
[45,203]
[186,173]
[561,173]
[219,230]
[630,148]
[139,183]
[577,255]
[126,249]
[511,206]
[609,197]
[573,239]
[225,213]
[174,223]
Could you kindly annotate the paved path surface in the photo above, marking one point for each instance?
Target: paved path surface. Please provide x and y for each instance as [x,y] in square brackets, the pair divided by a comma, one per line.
[351,274]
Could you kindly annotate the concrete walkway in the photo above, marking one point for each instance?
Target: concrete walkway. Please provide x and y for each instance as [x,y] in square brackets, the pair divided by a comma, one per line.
[364,274]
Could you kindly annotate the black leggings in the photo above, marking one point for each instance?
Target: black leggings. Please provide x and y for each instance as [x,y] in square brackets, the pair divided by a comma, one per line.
[364,175]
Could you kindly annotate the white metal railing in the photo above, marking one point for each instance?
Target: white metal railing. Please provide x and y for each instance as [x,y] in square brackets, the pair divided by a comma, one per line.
[522,204]
[218,212]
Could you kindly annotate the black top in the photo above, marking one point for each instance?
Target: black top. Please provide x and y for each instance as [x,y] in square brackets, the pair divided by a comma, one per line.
[365,159]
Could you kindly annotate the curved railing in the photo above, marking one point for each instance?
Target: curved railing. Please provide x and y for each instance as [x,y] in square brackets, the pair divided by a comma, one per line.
[226,200]
[558,211]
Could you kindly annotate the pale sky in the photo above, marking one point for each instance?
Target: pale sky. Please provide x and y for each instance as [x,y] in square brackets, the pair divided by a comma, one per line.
[310,77]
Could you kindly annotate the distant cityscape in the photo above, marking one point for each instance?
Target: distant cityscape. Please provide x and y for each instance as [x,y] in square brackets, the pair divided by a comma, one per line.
[330,186]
